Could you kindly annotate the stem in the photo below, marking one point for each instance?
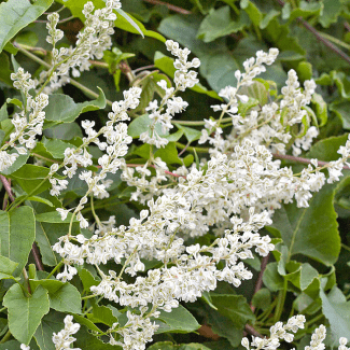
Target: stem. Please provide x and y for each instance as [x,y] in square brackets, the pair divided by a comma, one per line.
[88,297]
[197,149]
[7,186]
[6,337]
[73,82]
[54,270]
[319,37]
[335,40]
[37,259]
[259,281]
[251,330]
[301,160]
[281,300]
[169,6]
[25,274]
[345,247]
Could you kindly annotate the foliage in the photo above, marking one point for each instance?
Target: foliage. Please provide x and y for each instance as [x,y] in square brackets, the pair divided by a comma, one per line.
[60,194]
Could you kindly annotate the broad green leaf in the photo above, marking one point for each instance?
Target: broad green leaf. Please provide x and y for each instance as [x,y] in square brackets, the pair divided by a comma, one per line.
[127,23]
[103,314]
[62,108]
[17,14]
[87,341]
[262,299]
[268,18]
[16,345]
[47,235]
[190,133]
[7,267]
[224,327]
[31,178]
[87,279]
[327,149]
[141,124]
[330,13]
[17,234]
[64,297]
[179,320]
[25,313]
[56,147]
[305,231]
[234,307]
[167,345]
[341,108]
[54,217]
[64,131]
[5,77]
[253,12]
[272,279]
[306,9]
[130,21]
[51,323]
[219,23]
[304,71]
[169,154]
[87,323]
[337,311]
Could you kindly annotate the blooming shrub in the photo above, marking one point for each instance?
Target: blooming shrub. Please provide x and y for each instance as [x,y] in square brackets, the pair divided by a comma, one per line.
[184,233]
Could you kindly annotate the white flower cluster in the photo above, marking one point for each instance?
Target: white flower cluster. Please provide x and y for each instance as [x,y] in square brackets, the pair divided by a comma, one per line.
[279,332]
[171,105]
[234,194]
[115,145]
[92,41]
[28,123]
[63,339]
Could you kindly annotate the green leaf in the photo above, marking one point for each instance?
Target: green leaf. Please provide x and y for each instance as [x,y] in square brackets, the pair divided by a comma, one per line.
[17,14]
[330,13]
[20,161]
[130,21]
[190,133]
[87,279]
[304,71]
[56,147]
[268,18]
[234,307]
[64,297]
[327,149]
[17,234]
[87,341]
[51,323]
[337,311]
[103,314]
[167,345]
[179,320]
[169,154]
[272,279]
[30,178]
[321,108]
[253,12]
[306,9]
[219,23]
[63,109]
[342,109]
[127,22]
[87,323]
[54,217]
[25,313]
[305,231]
[47,234]
[141,124]
[7,267]
[262,299]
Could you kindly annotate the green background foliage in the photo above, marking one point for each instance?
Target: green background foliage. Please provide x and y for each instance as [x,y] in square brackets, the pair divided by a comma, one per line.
[308,274]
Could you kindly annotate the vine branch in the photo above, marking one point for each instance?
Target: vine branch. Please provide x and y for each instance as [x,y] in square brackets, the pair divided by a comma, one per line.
[169,6]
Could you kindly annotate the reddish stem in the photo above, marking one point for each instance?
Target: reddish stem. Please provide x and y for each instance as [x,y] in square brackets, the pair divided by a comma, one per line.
[301,160]
[259,281]
[169,6]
